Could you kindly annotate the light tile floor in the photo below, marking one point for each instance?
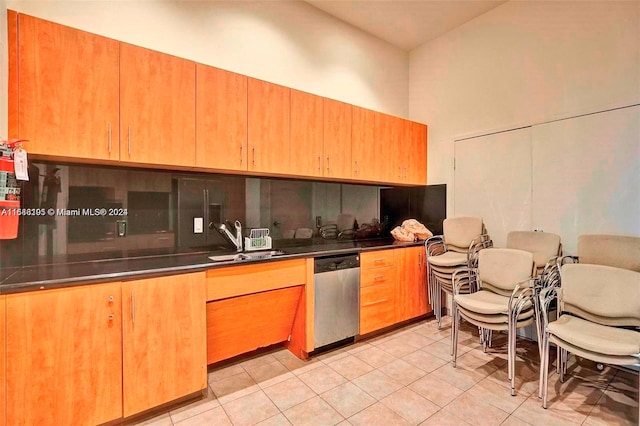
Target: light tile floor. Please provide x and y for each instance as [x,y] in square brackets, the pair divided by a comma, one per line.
[405,377]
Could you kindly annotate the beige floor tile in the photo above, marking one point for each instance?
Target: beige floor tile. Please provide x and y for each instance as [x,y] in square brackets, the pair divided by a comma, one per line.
[377,414]
[322,379]
[396,347]
[358,346]
[416,340]
[313,412]
[250,409]
[288,393]
[475,411]
[525,384]
[402,372]
[442,419]
[277,420]
[432,332]
[267,374]
[424,360]
[258,360]
[163,419]
[411,406]
[497,395]
[375,356]
[216,416]
[333,355]
[197,407]
[436,390]
[350,367]
[461,377]
[442,350]
[477,361]
[531,411]
[224,372]
[348,399]
[299,366]
[233,387]
[617,406]
[514,421]
[377,384]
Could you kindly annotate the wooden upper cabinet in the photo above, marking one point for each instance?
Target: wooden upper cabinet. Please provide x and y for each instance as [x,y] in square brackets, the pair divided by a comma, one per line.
[67,91]
[163,340]
[306,152]
[417,173]
[363,146]
[389,144]
[337,139]
[412,298]
[269,130]
[157,107]
[221,119]
[64,356]
[3,362]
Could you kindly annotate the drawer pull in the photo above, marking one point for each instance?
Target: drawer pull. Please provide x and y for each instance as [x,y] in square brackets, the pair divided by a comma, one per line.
[378,278]
[375,302]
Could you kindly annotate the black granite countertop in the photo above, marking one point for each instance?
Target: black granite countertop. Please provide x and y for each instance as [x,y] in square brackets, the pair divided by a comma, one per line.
[40,277]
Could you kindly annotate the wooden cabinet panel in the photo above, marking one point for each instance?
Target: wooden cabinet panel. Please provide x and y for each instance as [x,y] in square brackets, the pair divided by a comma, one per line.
[164,340]
[377,259]
[3,363]
[417,154]
[412,298]
[239,280]
[157,107]
[389,152]
[337,139]
[377,307]
[242,324]
[269,131]
[363,145]
[67,91]
[307,134]
[221,119]
[64,358]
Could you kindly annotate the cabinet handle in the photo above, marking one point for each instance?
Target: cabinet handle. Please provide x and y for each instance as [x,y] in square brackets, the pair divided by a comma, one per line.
[379,260]
[328,165]
[110,299]
[129,140]
[133,307]
[109,136]
[319,166]
[254,155]
[406,172]
[378,278]
[110,317]
[241,155]
[356,166]
[400,172]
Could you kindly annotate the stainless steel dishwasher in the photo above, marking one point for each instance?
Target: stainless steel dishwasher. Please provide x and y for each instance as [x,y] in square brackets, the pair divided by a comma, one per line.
[337,298]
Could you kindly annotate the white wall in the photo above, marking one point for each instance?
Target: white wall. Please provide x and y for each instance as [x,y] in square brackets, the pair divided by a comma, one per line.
[284,42]
[523,63]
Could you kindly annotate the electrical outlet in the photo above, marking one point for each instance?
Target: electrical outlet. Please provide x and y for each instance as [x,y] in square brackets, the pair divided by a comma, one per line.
[198,225]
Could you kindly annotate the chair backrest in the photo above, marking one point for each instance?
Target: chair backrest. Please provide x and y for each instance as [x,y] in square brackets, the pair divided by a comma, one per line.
[500,269]
[459,231]
[543,245]
[620,251]
[599,293]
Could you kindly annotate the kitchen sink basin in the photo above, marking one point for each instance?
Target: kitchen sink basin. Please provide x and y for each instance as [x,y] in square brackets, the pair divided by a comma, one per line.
[255,255]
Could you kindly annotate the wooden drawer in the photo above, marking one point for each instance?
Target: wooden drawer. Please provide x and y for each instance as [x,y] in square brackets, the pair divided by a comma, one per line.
[375,276]
[377,259]
[377,307]
[240,280]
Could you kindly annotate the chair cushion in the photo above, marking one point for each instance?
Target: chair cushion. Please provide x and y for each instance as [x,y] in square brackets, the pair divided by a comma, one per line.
[496,318]
[595,356]
[450,258]
[543,245]
[595,337]
[620,251]
[460,231]
[483,302]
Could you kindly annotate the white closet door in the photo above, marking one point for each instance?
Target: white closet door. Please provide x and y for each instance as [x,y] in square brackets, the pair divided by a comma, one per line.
[586,175]
[492,179]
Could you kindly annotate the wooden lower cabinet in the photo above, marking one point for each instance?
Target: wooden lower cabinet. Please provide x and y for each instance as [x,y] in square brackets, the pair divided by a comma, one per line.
[393,287]
[164,344]
[64,356]
[3,363]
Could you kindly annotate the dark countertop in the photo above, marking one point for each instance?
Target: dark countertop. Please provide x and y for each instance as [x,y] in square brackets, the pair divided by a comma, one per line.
[40,277]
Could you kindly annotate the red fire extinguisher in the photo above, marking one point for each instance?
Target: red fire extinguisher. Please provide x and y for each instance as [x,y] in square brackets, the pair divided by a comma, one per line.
[9,190]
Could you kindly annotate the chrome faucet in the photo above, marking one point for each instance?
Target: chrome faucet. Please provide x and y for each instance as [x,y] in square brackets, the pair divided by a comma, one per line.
[237,240]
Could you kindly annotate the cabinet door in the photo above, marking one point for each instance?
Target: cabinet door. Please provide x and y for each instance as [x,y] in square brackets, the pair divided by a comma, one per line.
[269,131]
[378,274]
[157,107]
[363,145]
[337,139]
[306,134]
[64,356]
[412,283]
[389,137]
[3,363]
[164,340]
[417,154]
[67,91]
[221,119]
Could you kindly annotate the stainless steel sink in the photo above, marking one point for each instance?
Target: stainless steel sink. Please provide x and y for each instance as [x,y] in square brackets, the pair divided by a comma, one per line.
[255,255]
